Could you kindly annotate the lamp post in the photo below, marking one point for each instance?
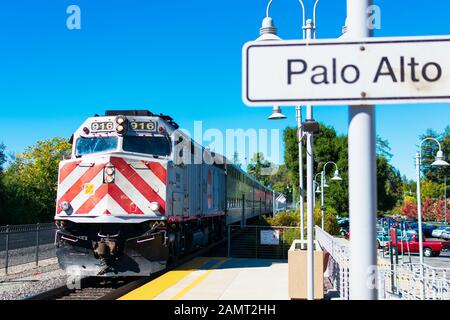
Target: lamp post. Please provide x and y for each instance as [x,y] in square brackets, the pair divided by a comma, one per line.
[336,177]
[439,161]
[323,184]
[445,197]
[268,32]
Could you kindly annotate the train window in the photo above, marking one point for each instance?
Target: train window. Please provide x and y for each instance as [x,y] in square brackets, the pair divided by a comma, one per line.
[154,145]
[86,146]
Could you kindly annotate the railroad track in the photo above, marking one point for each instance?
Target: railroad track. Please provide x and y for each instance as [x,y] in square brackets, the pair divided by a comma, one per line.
[94,288]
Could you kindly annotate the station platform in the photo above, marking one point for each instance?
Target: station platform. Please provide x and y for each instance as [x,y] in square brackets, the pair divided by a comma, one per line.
[219,279]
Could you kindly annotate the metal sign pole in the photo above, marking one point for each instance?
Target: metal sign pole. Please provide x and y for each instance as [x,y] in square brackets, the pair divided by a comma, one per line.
[362,175]
[310,188]
[298,111]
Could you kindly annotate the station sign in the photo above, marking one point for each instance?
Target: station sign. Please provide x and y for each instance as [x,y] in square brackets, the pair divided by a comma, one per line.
[340,72]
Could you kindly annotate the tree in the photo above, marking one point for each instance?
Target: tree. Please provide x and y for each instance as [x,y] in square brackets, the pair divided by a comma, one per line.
[383,149]
[3,213]
[389,185]
[31,181]
[256,168]
[410,208]
[2,156]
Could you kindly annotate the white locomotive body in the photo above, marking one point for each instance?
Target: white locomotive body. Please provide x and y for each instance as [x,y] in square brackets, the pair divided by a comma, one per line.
[138,192]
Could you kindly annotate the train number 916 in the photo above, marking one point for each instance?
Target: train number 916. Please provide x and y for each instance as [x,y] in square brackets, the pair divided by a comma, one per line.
[102,126]
[143,126]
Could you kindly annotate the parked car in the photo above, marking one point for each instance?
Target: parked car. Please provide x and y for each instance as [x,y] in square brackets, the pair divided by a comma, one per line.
[430,248]
[446,234]
[437,233]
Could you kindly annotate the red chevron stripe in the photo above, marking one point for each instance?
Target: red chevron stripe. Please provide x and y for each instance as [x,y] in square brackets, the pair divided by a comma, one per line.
[67,169]
[135,179]
[158,170]
[122,200]
[78,186]
[90,203]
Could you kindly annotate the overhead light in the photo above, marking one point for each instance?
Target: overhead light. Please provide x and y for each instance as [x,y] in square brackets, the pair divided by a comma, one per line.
[276,114]
[268,31]
[336,176]
[440,159]
[318,190]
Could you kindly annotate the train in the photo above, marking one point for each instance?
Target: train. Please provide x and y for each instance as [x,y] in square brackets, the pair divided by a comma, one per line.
[138,193]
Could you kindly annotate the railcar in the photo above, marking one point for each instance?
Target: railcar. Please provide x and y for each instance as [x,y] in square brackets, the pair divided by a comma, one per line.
[137,192]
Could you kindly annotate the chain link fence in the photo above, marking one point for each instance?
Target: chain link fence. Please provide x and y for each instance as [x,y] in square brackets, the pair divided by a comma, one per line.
[20,244]
[261,242]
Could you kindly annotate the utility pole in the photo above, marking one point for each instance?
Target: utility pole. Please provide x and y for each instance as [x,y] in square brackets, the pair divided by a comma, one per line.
[362,174]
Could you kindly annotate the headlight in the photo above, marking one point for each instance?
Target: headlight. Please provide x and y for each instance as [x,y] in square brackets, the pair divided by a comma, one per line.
[121,120]
[109,174]
[109,179]
[65,206]
[154,206]
[120,129]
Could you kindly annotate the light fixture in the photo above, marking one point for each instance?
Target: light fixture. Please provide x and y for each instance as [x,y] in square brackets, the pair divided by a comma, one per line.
[336,176]
[121,119]
[154,206]
[65,206]
[440,159]
[109,174]
[318,189]
[268,31]
[276,114]
[120,129]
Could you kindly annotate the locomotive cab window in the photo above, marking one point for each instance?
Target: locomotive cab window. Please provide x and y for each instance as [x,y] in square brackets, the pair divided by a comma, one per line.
[85,146]
[154,145]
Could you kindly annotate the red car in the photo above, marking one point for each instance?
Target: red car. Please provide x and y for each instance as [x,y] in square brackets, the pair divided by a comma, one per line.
[430,248]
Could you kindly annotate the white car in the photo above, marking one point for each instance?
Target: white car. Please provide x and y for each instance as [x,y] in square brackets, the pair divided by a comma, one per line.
[437,233]
[446,234]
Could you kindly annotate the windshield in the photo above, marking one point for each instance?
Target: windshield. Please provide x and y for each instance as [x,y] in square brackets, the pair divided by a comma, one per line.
[157,146]
[86,146]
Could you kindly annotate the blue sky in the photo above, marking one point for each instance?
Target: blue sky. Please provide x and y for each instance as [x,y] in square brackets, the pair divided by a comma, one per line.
[181,58]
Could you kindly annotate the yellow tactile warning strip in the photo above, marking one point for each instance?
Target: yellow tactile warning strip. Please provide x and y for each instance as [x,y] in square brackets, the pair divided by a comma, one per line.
[197,281]
[155,287]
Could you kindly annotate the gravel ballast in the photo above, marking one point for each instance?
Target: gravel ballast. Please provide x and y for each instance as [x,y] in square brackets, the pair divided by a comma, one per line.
[29,282]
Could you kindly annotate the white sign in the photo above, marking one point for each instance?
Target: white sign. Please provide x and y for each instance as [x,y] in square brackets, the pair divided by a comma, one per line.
[281,198]
[270,237]
[336,72]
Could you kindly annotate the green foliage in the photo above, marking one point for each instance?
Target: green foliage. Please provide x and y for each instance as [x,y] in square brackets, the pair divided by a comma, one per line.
[256,168]
[280,182]
[286,219]
[2,189]
[2,156]
[292,219]
[30,181]
[430,189]
[390,186]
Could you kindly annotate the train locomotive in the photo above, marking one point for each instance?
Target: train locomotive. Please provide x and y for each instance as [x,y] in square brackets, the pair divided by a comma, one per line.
[137,192]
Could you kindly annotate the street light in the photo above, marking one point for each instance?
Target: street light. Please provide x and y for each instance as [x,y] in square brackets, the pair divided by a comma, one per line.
[439,161]
[277,114]
[323,185]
